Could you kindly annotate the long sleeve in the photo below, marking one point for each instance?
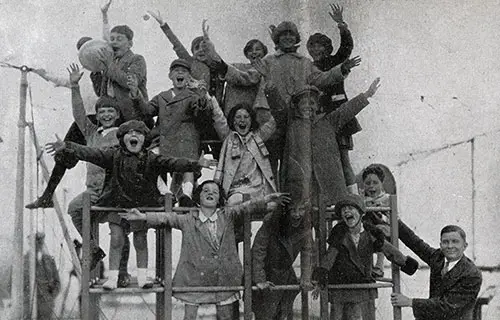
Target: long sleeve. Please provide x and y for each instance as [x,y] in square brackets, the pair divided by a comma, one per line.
[170,219]
[57,81]
[259,253]
[238,77]
[170,164]
[414,243]
[347,111]
[323,79]
[136,67]
[100,157]
[146,109]
[220,121]
[267,129]
[179,48]
[79,115]
[255,207]
[462,294]
[106,29]
[330,257]
[346,45]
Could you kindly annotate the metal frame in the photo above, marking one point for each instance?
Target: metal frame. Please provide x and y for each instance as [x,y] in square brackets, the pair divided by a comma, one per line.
[90,295]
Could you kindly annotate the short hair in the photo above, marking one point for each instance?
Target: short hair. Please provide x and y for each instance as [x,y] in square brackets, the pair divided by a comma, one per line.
[245,106]
[107,101]
[196,41]
[125,30]
[453,228]
[251,43]
[197,192]
[374,169]
[322,40]
[82,41]
[180,63]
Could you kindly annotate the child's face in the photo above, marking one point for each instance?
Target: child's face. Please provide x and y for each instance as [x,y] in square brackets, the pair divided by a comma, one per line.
[134,141]
[296,215]
[256,52]
[242,122]
[317,51]
[198,53]
[373,185]
[180,77]
[107,116]
[209,195]
[350,215]
[452,245]
[120,43]
[286,40]
[307,106]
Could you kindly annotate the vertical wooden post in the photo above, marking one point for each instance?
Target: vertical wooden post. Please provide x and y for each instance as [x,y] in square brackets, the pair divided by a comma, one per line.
[247,262]
[160,262]
[305,264]
[85,283]
[17,292]
[167,252]
[94,298]
[322,235]
[396,277]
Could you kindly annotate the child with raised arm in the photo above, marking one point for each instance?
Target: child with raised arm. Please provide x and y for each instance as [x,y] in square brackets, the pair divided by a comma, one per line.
[182,112]
[74,134]
[130,182]
[208,255]
[349,259]
[333,96]
[201,69]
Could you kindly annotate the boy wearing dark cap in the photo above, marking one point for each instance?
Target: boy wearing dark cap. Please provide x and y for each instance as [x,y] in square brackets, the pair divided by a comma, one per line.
[130,182]
[349,259]
[182,112]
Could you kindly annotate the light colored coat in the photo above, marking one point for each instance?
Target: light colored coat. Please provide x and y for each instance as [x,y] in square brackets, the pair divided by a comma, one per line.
[201,263]
[233,146]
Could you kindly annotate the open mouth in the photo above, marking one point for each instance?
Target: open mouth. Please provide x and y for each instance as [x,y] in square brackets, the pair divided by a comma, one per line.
[134,142]
[349,219]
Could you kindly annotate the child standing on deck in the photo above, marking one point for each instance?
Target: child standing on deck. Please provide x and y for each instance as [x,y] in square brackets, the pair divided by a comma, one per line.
[130,182]
[180,111]
[208,254]
[349,259]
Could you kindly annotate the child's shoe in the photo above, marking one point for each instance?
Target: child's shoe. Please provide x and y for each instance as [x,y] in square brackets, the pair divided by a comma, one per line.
[112,282]
[123,279]
[142,280]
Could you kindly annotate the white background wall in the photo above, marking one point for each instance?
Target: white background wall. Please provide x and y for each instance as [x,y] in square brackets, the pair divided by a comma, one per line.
[438,61]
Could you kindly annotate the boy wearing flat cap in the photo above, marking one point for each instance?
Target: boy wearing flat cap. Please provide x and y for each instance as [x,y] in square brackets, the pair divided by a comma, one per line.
[182,112]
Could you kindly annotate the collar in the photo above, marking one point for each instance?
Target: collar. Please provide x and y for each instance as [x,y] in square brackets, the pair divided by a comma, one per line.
[104,132]
[451,264]
[243,138]
[212,218]
[280,53]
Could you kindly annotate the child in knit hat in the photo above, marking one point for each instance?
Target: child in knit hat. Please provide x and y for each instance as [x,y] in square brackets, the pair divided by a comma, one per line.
[130,182]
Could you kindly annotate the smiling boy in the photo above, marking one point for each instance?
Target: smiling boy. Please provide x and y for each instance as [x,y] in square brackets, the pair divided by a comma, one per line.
[454,279]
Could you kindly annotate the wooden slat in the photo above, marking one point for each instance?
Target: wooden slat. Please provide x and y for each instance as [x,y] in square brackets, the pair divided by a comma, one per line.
[396,277]
[85,283]
[247,262]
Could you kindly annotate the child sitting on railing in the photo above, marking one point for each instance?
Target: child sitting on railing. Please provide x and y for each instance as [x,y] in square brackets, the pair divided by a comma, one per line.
[349,259]
[130,182]
[208,255]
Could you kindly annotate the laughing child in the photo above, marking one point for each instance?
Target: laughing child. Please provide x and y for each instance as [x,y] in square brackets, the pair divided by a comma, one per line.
[208,255]
[181,114]
[130,182]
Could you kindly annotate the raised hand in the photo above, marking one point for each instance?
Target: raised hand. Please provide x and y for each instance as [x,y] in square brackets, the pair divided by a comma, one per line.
[336,13]
[105,56]
[206,163]
[74,73]
[373,88]
[53,147]
[105,6]
[205,28]
[278,197]
[351,63]
[157,16]
[132,215]
[261,67]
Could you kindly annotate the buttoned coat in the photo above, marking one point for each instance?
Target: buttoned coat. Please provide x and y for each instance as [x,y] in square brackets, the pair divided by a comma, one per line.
[452,296]
[201,263]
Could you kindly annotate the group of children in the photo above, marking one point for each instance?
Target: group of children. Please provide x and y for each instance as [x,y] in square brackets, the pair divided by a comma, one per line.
[245,110]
